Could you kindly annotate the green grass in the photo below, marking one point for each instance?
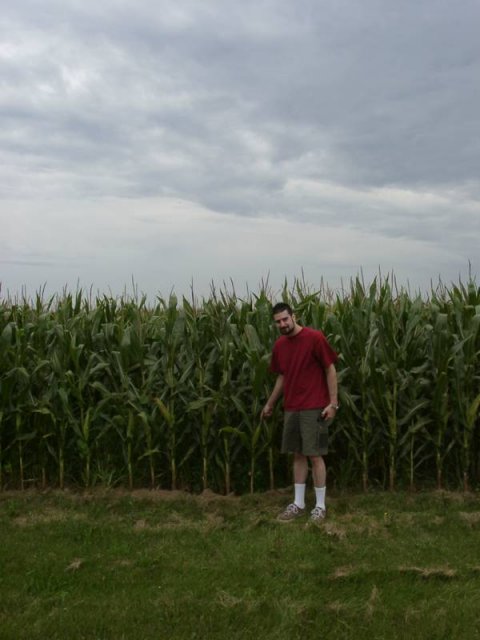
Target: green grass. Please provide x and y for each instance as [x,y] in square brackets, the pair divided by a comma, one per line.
[157,565]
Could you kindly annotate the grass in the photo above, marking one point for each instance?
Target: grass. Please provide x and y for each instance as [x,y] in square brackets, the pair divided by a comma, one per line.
[160,565]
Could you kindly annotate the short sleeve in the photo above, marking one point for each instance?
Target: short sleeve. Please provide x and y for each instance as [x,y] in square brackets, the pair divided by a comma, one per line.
[274,362]
[324,352]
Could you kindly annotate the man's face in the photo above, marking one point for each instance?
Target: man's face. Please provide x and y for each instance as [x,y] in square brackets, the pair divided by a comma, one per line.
[285,322]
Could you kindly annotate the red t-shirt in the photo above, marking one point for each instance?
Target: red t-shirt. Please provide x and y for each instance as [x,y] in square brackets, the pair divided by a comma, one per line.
[302,360]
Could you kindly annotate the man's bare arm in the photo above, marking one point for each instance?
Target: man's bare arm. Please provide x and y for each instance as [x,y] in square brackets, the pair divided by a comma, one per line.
[274,396]
[331,374]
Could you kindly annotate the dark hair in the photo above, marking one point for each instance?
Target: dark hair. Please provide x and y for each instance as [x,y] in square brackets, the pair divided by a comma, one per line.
[280,307]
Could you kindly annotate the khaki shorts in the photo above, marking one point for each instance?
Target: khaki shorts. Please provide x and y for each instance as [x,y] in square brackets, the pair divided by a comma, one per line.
[305,432]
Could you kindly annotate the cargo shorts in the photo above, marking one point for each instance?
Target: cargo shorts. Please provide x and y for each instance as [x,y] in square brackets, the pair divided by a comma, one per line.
[305,432]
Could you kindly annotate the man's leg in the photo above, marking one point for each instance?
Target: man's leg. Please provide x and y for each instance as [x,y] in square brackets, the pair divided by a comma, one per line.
[300,468]
[291,441]
[300,472]
[319,473]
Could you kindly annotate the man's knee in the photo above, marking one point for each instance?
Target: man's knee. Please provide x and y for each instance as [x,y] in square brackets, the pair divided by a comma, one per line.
[299,456]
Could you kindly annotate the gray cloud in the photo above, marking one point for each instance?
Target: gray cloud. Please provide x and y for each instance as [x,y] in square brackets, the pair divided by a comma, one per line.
[361,116]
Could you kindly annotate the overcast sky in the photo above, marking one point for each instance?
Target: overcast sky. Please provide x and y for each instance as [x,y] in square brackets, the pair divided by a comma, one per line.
[172,142]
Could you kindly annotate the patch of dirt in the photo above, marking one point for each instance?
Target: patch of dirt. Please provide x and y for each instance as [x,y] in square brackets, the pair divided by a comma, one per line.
[336,607]
[453,496]
[50,514]
[343,572]
[361,524]
[472,518]
[475,569]
[227,601]
[209,496]
[372,602]
[334,530]
[430,572]
[75,564]
[123,563]
[140,525]
[176,521]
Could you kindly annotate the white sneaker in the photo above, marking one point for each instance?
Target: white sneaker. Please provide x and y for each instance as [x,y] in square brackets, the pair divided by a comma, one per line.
[290,513]
[318,514]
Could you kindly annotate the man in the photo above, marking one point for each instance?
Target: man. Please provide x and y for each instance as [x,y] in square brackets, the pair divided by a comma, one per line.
[306,376]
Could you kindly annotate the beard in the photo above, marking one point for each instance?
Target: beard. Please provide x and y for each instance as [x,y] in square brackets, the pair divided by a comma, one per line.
[285,331]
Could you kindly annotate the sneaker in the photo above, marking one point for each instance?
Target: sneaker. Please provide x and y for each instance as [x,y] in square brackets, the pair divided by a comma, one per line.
[290,513]
[318,514]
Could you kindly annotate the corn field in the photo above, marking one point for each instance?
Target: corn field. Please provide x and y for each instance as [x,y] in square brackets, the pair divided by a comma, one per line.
[116,392]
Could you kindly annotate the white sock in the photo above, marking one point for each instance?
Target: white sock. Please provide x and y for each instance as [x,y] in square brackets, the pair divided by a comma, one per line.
[300,496]
[320,495]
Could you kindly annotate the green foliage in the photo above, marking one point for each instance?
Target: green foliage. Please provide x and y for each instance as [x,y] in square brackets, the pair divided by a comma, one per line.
[115,391]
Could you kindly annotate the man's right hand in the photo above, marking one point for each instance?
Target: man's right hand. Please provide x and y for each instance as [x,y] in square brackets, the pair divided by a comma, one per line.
[267,411]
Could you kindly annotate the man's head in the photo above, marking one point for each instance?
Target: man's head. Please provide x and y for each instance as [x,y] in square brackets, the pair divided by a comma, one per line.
[284,318]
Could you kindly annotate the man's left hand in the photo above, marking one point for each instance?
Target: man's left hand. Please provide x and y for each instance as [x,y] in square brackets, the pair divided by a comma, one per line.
[329,412]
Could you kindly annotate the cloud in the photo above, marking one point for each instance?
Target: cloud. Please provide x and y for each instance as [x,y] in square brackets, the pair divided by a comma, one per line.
[353,121]
[165,244]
